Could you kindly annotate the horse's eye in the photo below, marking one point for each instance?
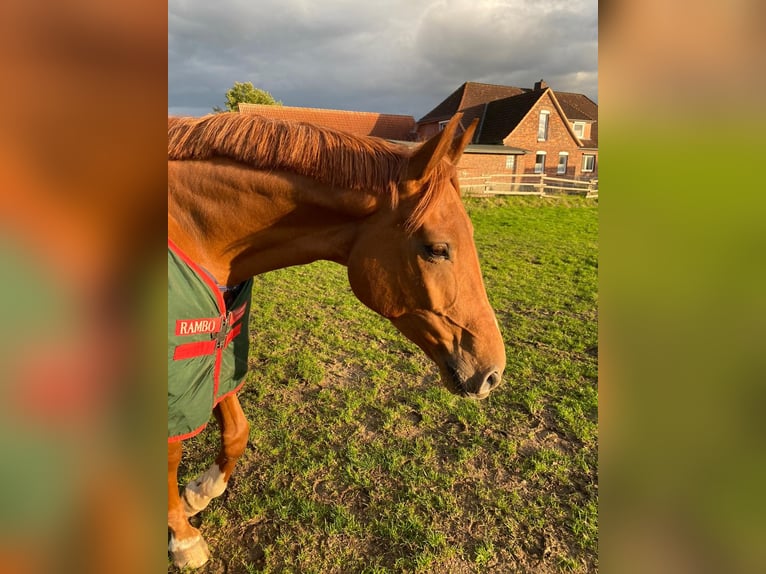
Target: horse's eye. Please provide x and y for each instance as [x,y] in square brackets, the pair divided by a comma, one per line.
[437,251]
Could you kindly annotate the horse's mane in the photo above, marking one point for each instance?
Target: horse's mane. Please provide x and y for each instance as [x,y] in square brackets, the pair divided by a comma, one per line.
[331,157]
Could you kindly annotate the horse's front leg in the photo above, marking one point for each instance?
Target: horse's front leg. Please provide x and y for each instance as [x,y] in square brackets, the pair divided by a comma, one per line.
[234,434]
[187,546]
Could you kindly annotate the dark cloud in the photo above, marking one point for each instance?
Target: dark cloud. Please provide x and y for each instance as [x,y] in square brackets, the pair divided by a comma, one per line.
[401,56]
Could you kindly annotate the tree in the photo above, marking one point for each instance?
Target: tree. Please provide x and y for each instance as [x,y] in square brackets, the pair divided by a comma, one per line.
[244,92]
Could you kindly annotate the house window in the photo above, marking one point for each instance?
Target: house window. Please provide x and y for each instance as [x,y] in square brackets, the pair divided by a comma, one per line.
[562,168]
[588,163]
[542,126]
[579,129]
[540,162]
[510,162]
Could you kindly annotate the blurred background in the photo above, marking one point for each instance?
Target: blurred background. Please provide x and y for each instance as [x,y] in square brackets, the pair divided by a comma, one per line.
[682,286]
[82,385]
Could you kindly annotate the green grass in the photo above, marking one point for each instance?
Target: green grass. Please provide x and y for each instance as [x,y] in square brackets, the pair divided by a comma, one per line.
[360,462]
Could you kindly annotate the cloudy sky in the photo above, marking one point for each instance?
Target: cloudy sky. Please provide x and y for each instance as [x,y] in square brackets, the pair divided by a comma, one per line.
[389,56]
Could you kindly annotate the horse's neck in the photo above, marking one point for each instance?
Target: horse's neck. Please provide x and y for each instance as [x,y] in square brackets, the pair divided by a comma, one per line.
[239,222]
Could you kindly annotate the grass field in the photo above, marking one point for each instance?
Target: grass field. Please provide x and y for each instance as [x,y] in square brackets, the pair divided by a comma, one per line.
[359,462]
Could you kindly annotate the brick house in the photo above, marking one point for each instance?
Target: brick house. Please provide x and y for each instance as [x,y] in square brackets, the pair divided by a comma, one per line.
[557,131]
[386,126]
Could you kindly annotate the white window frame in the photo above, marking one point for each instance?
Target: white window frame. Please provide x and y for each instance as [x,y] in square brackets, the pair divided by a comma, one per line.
[443,125]
[543,125]
[585,158]
[541,168]
[581,126]
[510,162]
[565,155]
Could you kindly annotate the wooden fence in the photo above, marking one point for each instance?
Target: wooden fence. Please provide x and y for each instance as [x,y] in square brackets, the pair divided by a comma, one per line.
[526,184]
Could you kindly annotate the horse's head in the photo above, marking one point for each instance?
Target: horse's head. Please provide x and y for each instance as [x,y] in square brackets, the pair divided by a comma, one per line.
[417,265]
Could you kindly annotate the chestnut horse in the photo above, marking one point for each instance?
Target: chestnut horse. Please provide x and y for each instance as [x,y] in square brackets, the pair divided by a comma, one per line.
[247,195]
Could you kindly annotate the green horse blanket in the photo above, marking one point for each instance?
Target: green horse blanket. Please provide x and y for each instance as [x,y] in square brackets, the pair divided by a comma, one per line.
[207,344]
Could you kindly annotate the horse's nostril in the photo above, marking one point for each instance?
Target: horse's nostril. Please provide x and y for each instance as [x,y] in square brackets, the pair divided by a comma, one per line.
[490,382]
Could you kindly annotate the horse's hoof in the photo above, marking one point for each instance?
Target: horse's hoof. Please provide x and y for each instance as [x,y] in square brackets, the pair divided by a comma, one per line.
[191,553]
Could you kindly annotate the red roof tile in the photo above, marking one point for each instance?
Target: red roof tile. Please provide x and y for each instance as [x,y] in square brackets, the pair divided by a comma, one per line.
[577,106]
[386,126]
[470,99]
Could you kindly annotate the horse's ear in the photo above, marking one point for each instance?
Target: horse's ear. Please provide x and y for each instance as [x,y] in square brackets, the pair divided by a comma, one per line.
[431,153]
[459,145]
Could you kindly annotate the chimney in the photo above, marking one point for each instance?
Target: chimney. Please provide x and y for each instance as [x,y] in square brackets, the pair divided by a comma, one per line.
[541,85]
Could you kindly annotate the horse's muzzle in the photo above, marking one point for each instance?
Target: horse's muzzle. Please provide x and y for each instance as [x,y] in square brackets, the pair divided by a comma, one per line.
[478,386]
[490,383]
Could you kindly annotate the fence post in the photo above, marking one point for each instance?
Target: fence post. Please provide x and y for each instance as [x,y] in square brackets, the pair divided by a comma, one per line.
[541,185]
[591,188]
